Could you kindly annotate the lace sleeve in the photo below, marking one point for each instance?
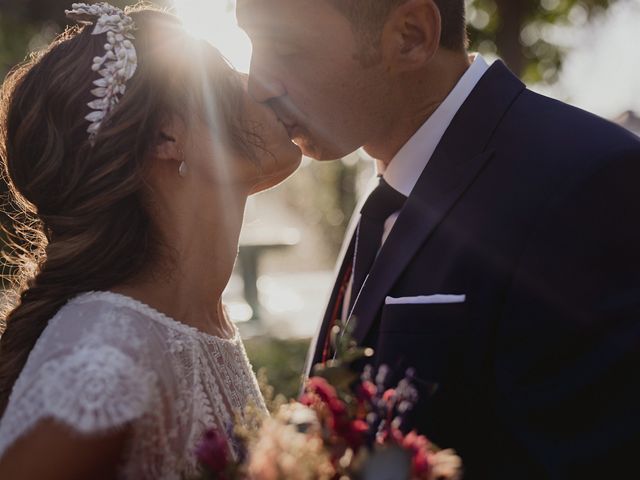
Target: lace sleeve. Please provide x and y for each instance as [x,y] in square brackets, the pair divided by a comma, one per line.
[91,388]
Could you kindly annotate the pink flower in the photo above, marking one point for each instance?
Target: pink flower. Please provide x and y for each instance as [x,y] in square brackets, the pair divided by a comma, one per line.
[213,451]
[445,465]
[281,451]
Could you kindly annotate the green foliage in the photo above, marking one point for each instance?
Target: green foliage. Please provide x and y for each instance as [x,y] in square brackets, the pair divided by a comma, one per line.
[282,360]
[27,25]
[522,31]
[339,371]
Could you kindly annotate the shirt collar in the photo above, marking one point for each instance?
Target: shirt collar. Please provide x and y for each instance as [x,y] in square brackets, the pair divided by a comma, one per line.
[407,165]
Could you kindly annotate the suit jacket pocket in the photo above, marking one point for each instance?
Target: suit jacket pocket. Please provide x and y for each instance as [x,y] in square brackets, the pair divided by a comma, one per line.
[427,338]
[422,318]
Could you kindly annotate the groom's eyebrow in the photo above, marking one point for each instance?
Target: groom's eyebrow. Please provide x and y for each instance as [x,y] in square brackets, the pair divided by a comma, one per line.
[258,21]
[270,31]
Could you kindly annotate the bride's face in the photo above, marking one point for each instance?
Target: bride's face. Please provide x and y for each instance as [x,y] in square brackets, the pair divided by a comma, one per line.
[267,158]
[276,156]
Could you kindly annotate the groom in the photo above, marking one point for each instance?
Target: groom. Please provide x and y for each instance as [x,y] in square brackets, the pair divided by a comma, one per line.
[499,254]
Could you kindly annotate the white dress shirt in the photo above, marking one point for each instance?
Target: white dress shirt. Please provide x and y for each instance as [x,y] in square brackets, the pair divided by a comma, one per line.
[407,165]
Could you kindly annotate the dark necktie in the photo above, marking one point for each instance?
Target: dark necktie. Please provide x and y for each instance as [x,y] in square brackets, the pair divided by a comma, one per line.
[381,204]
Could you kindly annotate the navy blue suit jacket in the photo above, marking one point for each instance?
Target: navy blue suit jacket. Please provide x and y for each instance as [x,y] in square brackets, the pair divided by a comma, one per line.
[530,208]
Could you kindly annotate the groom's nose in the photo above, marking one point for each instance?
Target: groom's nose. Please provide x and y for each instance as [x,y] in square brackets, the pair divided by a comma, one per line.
[263,86]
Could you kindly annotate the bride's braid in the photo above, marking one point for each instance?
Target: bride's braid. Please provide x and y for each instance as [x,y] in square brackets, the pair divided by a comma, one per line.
[80,221]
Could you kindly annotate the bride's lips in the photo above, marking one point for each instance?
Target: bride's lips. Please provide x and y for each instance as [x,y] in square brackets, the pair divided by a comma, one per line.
[293,129]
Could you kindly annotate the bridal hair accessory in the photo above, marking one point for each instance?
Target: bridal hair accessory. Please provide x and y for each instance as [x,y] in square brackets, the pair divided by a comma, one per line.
[116,66]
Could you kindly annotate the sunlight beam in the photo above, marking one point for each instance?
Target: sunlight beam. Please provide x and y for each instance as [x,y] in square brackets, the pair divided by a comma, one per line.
[215,21]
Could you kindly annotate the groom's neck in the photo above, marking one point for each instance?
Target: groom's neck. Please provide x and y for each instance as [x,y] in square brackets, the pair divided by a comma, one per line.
[415,98]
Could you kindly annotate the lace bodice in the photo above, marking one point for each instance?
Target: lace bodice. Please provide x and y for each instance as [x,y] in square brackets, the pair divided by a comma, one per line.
[106,360]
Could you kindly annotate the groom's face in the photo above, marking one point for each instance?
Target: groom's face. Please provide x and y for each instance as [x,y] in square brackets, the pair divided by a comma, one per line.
[305,66]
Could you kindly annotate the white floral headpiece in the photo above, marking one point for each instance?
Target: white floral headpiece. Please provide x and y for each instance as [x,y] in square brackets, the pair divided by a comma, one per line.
[116,66]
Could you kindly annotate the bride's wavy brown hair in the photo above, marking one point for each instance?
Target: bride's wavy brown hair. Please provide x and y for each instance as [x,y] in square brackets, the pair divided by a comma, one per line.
[80,222]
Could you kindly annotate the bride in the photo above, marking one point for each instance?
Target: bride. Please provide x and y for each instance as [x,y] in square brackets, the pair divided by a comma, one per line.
[132,149]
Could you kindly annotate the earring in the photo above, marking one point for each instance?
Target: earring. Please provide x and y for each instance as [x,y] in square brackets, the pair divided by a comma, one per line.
[182,170]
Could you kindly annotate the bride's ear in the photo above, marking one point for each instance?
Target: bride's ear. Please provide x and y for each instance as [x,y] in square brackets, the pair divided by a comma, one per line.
[168,143]
[166,147]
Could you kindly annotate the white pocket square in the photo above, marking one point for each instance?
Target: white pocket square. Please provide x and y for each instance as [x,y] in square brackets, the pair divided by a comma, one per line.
[426,299]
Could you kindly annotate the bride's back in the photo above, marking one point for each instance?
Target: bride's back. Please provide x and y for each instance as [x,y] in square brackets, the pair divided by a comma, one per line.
[106,360]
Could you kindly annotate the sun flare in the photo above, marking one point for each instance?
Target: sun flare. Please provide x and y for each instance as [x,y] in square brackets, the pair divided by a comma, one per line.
[215,21]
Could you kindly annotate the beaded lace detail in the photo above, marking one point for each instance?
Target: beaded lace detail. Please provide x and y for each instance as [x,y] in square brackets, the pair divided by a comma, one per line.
[106,360]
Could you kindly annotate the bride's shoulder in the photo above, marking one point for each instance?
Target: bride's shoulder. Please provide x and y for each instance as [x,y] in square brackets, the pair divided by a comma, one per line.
[103,316]
[92,369]
[96,327]
[95,306]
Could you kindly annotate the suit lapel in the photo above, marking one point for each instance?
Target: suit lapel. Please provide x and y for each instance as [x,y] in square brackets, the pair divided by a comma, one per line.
[315,350]
[419,218]
[455,164]
[344,260]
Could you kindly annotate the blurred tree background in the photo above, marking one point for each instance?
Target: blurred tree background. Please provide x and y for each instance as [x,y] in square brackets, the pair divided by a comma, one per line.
[524,33]
[519,31]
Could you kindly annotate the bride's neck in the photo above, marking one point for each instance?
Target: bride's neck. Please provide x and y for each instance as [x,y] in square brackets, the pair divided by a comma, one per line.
[200,251]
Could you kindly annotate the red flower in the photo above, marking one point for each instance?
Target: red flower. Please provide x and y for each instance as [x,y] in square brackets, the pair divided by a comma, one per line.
[366,391]
[351,431]
[389,395]
[337,420]
[418,446]
[319,389]
[213,451]
[322,388]
[390,435]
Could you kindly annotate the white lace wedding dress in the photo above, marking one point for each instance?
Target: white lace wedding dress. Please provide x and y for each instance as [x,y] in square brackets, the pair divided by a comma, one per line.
[106,360]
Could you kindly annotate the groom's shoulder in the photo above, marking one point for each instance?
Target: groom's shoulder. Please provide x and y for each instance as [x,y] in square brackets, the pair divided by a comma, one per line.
[553,140]
[567,129]
[553,146]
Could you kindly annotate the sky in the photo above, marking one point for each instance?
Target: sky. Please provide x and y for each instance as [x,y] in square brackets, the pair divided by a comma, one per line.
[601,72]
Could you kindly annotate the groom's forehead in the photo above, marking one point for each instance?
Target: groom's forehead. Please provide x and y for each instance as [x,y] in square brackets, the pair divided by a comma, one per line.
[258,14]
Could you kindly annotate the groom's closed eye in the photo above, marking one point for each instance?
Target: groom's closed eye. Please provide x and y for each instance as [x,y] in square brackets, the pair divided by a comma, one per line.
[275,39]
[285,49]
[277,48]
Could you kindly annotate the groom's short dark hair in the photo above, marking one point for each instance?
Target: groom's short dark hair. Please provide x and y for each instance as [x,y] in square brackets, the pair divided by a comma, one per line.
[368,18]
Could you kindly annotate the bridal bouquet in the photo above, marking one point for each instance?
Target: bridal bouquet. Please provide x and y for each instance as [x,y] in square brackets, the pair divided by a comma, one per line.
[343,427]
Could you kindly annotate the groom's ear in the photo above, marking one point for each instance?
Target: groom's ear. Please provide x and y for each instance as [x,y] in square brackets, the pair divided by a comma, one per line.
[411,35]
